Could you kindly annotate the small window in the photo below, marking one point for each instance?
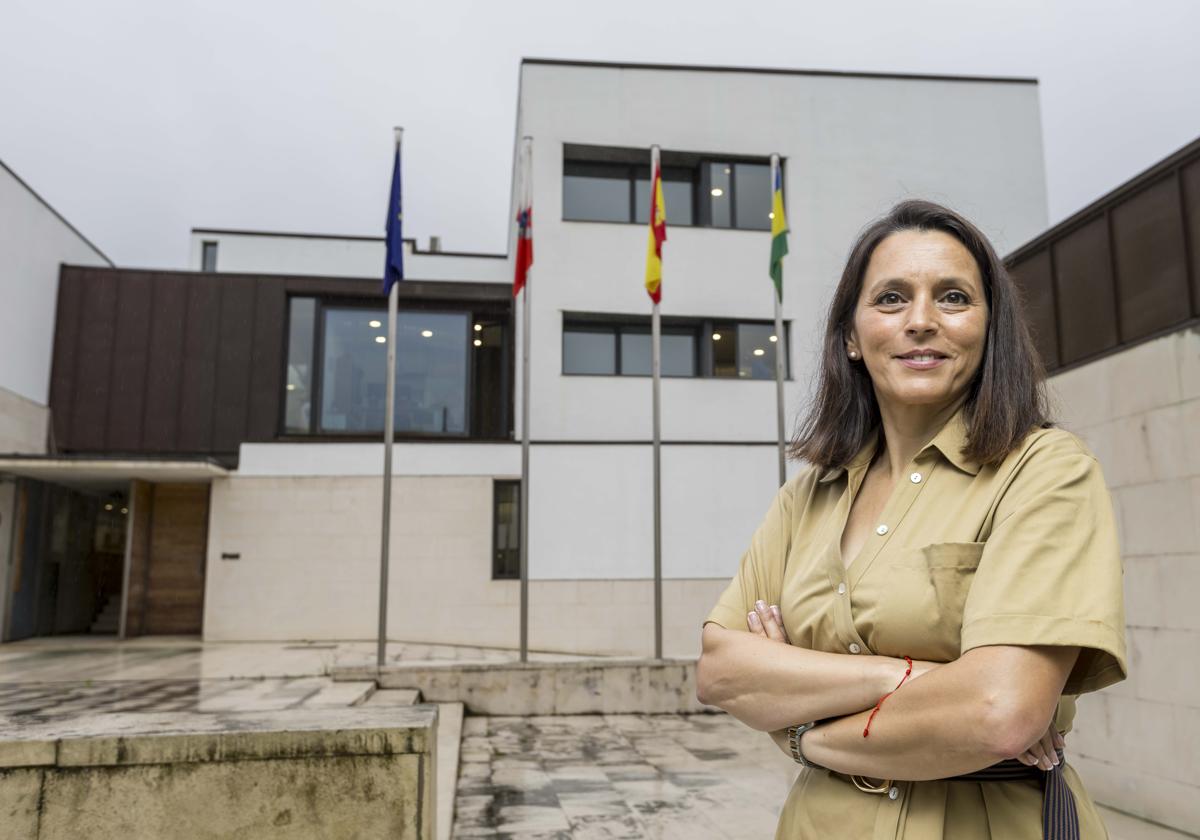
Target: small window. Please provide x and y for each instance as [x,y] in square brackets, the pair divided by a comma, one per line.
[298,419]
[678,350]
[596,192]
[752,196]
[506,533]
[208,256]
[678,195]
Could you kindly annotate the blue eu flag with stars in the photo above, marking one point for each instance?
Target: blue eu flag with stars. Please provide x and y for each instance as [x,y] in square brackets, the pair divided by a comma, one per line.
[393,271]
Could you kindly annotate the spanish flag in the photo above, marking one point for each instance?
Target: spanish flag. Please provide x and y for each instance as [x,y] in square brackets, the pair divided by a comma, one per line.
[658,234]
[779,231]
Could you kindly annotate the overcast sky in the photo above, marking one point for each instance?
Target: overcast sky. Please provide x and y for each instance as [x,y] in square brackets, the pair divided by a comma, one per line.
[141,119]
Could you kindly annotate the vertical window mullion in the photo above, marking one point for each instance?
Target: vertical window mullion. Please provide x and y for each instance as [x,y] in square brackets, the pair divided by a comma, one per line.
[318,372]
[733,220]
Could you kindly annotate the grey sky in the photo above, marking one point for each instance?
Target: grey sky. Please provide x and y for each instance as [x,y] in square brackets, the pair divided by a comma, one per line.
[139,120]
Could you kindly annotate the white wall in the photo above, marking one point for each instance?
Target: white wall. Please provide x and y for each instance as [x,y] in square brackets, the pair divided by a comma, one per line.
[34,242]
[23,424]
[853,147]
[332,256]
[500,460]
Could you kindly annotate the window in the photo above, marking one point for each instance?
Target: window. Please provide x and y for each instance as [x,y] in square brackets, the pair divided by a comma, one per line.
[613,185]
[452,371]
[506,530]
[691,347]
[298,396]
[208,256]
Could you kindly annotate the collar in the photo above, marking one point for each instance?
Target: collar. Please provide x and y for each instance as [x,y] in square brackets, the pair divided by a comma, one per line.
[949,441]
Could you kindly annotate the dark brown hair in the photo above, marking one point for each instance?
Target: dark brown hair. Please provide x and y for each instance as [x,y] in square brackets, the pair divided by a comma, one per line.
[1005,400]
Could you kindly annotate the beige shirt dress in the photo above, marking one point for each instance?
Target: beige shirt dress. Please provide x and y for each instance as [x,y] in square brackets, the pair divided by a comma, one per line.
[962,556]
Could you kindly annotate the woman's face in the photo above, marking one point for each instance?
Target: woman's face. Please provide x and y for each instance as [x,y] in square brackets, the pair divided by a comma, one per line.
[921,291]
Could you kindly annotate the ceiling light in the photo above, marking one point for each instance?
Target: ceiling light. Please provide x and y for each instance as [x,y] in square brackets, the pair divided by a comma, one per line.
[375,324]
[727,170]
[291,386]
[771,215]
[478,327]
[758,351]
[426,333]
[108,506]
[717,192]
[774,338]
[381,339]
[479,342]
[124,510]
[716,336]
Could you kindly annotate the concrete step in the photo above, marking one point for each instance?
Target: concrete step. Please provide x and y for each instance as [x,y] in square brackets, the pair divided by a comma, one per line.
[393,697]
[449,737]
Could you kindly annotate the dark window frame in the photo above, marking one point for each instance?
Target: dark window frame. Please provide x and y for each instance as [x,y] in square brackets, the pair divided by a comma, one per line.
[498,572]
[699,328]
[323,302]
[623,164]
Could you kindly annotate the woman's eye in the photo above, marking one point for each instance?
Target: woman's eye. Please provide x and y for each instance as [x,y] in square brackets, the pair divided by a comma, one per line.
[962,298]
[883,298]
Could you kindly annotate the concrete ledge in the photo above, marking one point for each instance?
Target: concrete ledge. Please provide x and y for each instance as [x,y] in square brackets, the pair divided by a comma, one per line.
[569,687]
[300,773]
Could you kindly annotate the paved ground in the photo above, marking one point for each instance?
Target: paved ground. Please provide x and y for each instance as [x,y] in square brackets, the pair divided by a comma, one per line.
[580,777]
[585,777]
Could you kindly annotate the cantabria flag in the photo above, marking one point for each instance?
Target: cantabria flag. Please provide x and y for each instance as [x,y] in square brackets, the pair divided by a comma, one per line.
[779,232]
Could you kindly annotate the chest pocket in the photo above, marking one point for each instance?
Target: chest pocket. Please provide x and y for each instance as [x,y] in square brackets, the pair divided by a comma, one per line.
[927,590]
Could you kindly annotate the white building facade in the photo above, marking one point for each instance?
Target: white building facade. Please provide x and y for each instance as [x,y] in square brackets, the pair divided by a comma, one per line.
[302,517]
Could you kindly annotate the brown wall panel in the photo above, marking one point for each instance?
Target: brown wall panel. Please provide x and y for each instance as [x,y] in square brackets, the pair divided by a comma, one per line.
[1190,177]
[164,380]
[66,338]
[1036,283]
[93,359]
[234,349]
[175,574]
[198,380]
[1148,252]
[128,387]
[266,365]
[1087,314]
[141,509]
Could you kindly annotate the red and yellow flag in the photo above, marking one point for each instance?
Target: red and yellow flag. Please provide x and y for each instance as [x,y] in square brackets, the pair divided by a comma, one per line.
[658,235]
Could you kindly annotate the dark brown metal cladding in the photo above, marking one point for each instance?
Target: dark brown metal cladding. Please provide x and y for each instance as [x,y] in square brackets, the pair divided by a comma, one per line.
[174,363]
[1122,270]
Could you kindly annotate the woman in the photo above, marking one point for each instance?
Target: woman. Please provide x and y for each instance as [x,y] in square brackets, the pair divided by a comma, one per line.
[943,520]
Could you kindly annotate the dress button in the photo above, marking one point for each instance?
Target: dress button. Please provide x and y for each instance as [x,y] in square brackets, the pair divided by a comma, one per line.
[881,530]
[893,793]
[854,648]
[841,589]
[915,478]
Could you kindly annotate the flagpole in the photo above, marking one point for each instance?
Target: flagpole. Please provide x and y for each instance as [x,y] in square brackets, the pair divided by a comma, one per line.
[388,435]
[781,351]
[526,183]
[656,371]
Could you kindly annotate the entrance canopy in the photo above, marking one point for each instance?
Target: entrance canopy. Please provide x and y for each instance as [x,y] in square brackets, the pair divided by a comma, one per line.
[88,472]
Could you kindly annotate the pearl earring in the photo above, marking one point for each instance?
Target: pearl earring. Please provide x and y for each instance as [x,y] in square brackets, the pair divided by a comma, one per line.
[853,354]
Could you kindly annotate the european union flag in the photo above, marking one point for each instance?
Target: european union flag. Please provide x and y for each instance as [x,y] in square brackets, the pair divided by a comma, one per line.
[393,271]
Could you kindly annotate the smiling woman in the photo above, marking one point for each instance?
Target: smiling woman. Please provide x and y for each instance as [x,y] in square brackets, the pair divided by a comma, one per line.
[948,550]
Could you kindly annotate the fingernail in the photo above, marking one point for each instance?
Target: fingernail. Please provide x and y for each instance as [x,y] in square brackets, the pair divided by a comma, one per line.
[753,618]
[775,612]
[760,605]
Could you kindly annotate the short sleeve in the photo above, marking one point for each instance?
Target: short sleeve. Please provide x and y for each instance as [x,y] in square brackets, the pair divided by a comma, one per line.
[1051,571]
[760,572]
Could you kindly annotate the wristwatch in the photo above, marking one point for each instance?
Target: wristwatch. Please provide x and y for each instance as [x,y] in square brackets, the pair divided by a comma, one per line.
[794,733]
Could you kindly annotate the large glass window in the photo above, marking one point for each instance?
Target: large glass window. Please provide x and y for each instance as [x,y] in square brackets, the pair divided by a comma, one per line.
[431,371]
[607,345]
[613,185]
[453,371]
[506,536]
[299,376]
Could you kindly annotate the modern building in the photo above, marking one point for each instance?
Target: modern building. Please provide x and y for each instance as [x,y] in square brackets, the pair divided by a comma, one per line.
[236,408]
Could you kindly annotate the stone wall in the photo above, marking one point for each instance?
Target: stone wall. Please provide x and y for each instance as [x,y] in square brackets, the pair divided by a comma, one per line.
[1137,744]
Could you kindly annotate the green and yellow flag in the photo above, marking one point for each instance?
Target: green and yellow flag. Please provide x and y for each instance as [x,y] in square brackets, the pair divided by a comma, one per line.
[779,231]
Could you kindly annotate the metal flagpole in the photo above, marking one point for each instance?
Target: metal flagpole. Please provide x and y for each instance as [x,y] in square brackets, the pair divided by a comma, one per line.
[388,434]
[781,351]
[526,189]
[656,370]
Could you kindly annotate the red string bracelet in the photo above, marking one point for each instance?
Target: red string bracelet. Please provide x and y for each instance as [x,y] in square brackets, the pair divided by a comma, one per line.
[886,696]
